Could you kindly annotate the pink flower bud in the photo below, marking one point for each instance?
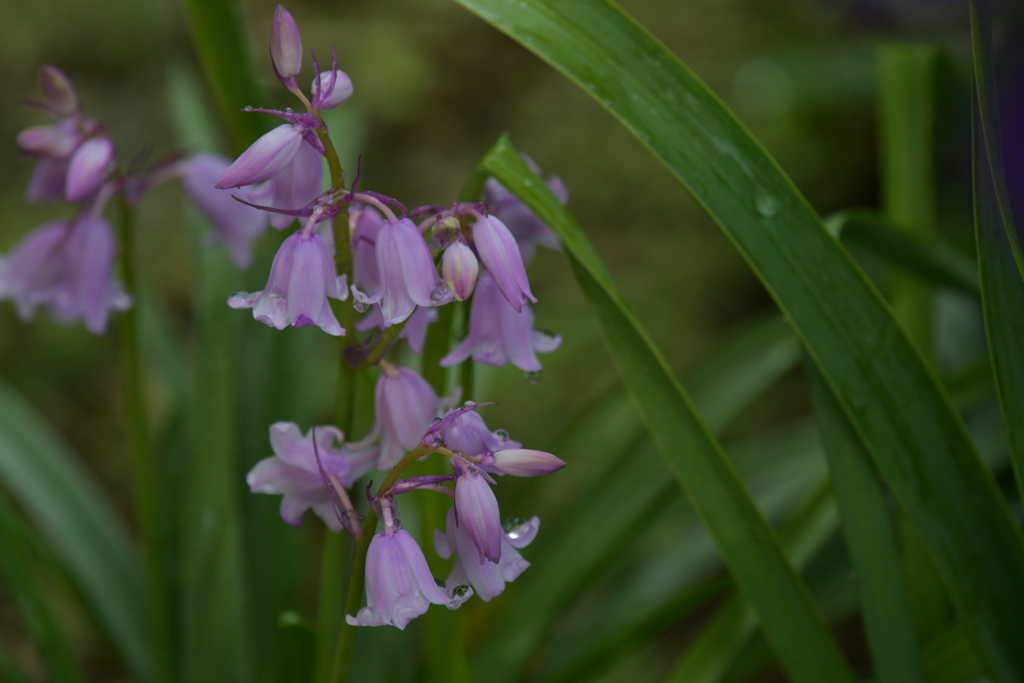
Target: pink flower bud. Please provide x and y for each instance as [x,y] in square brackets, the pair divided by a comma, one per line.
[521,462]
[47,141]
[285,45]
[341,91]
[88,168]
[58,93]
[460,270]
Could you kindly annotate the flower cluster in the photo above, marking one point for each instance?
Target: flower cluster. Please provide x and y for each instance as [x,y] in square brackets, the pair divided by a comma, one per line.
[397,266]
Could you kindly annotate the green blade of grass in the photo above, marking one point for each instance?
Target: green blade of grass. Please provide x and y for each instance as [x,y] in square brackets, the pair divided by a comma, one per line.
[891,396]
[747,543]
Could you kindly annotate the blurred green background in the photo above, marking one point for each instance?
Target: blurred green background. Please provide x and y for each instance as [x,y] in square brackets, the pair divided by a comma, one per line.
[434,87]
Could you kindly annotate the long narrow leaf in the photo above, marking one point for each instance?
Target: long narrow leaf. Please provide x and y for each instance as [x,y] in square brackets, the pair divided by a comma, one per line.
[15,564]
[869,535]
[748,544]
[893,399]
[79,524]
[1002,289]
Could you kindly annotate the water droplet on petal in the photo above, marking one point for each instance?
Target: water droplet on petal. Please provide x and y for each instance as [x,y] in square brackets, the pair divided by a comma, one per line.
[289,110]
[535,377]
[501,435]
[360,306]
[460,590]
[441,295]
[469,404]
[437,420]
[513,524]
[247,107]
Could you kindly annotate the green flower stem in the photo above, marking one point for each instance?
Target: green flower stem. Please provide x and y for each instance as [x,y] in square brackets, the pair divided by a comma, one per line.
[332,564]
[382,346]
[143,470]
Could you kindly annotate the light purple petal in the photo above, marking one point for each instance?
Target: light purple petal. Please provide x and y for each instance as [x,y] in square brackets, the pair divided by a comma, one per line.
[32,272]
[460,270]
[517,337]
[415,331]
[58,93]
[267,157]
[285,44]
[311,275]
[500,254]
[468,433]
[47,181]
[406,269]
[341,91]
[51,141]
[478,515]
[406,405]
[523,535]
[520,462]
[88,168]
[88,289]
[296,185]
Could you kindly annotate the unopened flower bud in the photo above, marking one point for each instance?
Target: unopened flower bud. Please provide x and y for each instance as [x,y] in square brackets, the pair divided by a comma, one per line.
[460,269]
[446,231]
[58,93]
[285,46]
[521,462]
[341,91]
[88,168]
[48,141]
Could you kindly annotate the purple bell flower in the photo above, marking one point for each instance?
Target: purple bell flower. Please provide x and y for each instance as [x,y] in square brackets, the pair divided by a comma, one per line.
[265,158]
[487,579]
[285,47]
[476,511]
[88,168]
[47,181]
[529,230]
[294,187]
[31,273]
[340,92]
[294,473]
[498,334]
[468,433]
[234,224]
[399,586]
[406,407]
[408,277]
[414,332]
[302,276]
[364,225]
[500,254]
[460,269]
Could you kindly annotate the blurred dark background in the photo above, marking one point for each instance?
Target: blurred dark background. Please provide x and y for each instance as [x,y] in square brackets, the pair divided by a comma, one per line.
[434,87]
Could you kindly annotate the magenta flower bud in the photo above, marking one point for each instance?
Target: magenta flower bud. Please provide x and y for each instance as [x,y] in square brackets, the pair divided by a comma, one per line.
[87,289]
[500,254]
[468,434]
[520,462]
[460,269]
[399,586]
[406,407]
[476,511]
[235,225]
[47,141]
[88,168]
[285,46]
[265,158]
[294,473]
[407,274]
[58,93]
[498,334]
[341,91]
[31,273]
[487,579]
[302,276]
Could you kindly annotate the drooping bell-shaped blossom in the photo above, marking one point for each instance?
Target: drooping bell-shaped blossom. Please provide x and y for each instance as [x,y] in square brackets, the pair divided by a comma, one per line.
[302,277]
[498,334]
[285,47]
[468,433]
[476,511]
[48,141]
[265,158]
[59,97]
[528,229]
[235,225]
[487,579]
[47,181]
[294,187]
[399,586]
[414,332]
[500,254]
[523,462]
[460,269]
[87,289]
[88,168]
[293,470]
[30,274]
[408,277]
[332,96]
[406,406]
[364,225]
